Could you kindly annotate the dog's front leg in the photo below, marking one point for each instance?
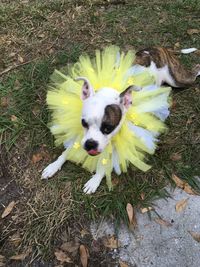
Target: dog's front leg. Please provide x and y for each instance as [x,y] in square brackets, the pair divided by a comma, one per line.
[52,168]
[92,185]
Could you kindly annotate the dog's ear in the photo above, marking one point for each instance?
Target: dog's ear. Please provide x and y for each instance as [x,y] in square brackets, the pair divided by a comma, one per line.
[87,89]
[126,97]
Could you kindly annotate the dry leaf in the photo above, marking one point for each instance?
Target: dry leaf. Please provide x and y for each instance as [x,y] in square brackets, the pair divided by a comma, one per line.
[142,195]
[129,209]
[163,222]
[20,59]
[144,210]
[8,209]
[183,185]
[41,35]
[111,242]
[83,255]
[177,45]
[181,205]
[36,158]
[19,257]
[83,232]
[188,189]
[180,183]
[15,239]
[175,157]
[115,181]
[13,118]
[62,256]
[196,236]
[193,31]
[2,259]
[122,264]
[131,215]
[42,154]
[4,101]
[51,51]
[70,246]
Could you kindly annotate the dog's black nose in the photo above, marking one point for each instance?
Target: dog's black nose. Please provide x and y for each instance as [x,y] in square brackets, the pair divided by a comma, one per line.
[91,144]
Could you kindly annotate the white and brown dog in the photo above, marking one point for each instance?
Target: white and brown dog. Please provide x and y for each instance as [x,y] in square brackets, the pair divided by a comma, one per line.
[102,116]
[166,67]
[103,111]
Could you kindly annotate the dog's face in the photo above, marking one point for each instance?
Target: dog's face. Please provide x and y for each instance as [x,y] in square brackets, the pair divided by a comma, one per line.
[102,115]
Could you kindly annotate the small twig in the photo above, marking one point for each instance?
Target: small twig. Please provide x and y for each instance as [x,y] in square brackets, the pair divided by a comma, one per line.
[15,66]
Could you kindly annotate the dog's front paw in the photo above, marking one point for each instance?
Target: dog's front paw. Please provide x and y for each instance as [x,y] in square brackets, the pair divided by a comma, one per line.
[92,185]
[50,170]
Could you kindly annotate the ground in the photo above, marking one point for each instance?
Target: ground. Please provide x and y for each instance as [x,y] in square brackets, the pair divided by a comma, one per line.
[39,36]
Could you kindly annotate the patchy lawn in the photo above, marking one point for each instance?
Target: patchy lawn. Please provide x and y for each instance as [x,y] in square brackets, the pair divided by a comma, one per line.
[39,36]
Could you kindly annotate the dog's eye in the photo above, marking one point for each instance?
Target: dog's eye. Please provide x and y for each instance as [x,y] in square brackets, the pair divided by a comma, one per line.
[107,128]
[84,123]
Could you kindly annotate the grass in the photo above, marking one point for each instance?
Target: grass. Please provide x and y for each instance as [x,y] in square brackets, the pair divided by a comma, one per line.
[55,33]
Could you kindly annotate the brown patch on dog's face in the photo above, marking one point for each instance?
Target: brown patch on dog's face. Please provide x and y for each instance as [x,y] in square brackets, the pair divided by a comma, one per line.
[142,58]
[155,54]
[111,118]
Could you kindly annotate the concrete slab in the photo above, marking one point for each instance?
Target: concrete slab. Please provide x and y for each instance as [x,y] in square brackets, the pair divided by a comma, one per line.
[155,245]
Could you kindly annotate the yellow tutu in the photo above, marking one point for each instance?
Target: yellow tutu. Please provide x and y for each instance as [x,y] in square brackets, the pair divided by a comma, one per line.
[142,124]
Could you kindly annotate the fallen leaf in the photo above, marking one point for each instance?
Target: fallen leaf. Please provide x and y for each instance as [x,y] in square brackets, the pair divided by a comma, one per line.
[13,118]
[8,209]
[111,242]
[144,210]
[51,51]
[36,110]
[142,195]
[163,222]
[83,255]
[183,185]
[180,183]
[17,84]
[15,239]
[177,45]
[2,258]
[4,101]
[188,189]
[41,35]
[12,54]
[131,215]
[2,261]
[122,264]
[193,31]
[115,181]
[161,20]
[83,232]
[20,59]
[19,257]
[36,158]
[196,236]
[42,154]
[62,256]
[181,205]
[175,157]
[70,246]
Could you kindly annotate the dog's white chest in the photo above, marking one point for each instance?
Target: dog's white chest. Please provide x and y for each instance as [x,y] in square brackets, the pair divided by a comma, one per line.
[162,75]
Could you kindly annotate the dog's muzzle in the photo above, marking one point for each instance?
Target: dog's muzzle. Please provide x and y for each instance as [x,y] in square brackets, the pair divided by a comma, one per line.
[91,147]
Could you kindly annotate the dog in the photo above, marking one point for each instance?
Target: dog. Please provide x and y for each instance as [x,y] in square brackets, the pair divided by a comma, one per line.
[166,67]
[103,111]
[102,117]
